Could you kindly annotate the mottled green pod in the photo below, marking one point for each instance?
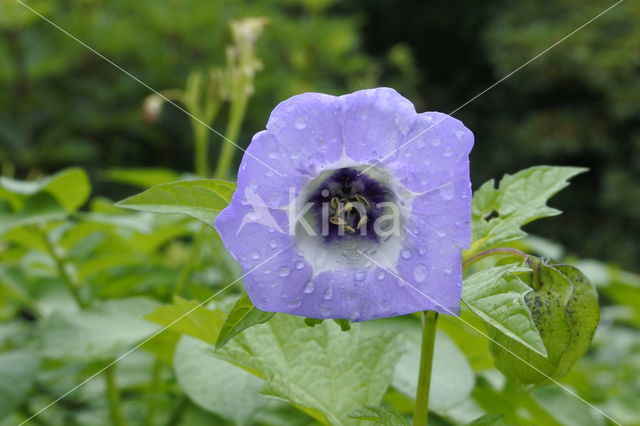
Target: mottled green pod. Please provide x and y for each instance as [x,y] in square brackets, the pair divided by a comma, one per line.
[564,307]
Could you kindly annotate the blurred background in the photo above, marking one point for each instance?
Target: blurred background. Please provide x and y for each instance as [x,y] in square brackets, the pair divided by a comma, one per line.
[579,104]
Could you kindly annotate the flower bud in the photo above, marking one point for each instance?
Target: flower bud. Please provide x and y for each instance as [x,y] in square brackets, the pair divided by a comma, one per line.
[564,307]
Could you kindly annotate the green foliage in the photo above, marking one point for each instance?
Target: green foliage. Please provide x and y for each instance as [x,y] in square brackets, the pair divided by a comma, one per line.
[379,415]
[564,307]
[324,372]
[242,316]
[201,199]
[18,371]
[518,200]
[497,296]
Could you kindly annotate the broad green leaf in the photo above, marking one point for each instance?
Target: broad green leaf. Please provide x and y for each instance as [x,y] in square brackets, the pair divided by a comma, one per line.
[566,408]
[380,415]
[98,333]
[321,370]
[242,316]
[191,318]
[201,199]
[142,177]
[36,209]
[69,187]
[497,296]
[18,371]
[499,213]
[452,377]
[214,385]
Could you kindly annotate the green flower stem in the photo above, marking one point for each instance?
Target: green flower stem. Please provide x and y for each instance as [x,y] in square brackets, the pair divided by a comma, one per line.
[187,270]
[236,116]
[113,395]
[154,384]
[421,411]
[60,265]
[201,136]
[498,250]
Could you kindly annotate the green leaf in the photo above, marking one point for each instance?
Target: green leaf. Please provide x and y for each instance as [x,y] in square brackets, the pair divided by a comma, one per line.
[497,296]
[99,333]
[380,415]
[214,385]
[321,370]
[201,199]
[18,371]
[142,177]
[498,214]
[191,318]
[452,377]
[488,420]
[242,316]
[69,187]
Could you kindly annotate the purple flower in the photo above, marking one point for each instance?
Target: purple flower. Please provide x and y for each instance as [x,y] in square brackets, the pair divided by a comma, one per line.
[352,207]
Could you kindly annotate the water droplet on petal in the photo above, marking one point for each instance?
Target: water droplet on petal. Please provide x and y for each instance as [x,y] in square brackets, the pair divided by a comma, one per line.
[294,303]
[328,293]
[273,243]
[435,142]
[308,287]
[360,275]
[441,233]
[406,254]
[284,271]
[300,123]
[447,191]
[381,275]
[299,265]
[447,270]
[255,255]
[420,273]
[447,152]
[325,310]
[422,251]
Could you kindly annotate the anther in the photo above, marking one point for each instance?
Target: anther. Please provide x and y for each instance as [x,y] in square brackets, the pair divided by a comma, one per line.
[362,221]
[335,203]
[363,201]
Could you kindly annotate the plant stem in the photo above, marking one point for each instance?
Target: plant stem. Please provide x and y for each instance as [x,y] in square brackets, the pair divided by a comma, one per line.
[201,136]
[113,395]
[236,115]
[153,386]
[60,265]
[498,250]
[421,411]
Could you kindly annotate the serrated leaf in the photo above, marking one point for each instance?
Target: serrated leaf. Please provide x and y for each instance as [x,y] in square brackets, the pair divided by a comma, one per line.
[321,370]
[497,296]
[380,415]
[99,333]
[189,317]
[499,213]
[214,385]
[18,371]
[242,316]
[201,199]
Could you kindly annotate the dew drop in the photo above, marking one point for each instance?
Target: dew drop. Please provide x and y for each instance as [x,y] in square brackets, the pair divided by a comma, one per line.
[273,155]
[447,191]
[325,310]
[284,271]
[294,303]
[273,243]
[447,152]
[255,255]
[381,275]
[300,123]
[308,287]
[435,142]
[360,275]
[328,293]
[422,251]
[299,265]
[420,273]
[441,233]
[406,254]
[447,270]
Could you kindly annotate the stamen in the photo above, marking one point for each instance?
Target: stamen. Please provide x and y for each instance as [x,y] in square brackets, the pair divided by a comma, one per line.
[335,202]
[348,207]
[337,220]
[363,201]
[362,221]
[349,228]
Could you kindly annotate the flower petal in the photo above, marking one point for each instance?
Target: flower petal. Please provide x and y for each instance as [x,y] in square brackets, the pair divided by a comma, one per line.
[376,122]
